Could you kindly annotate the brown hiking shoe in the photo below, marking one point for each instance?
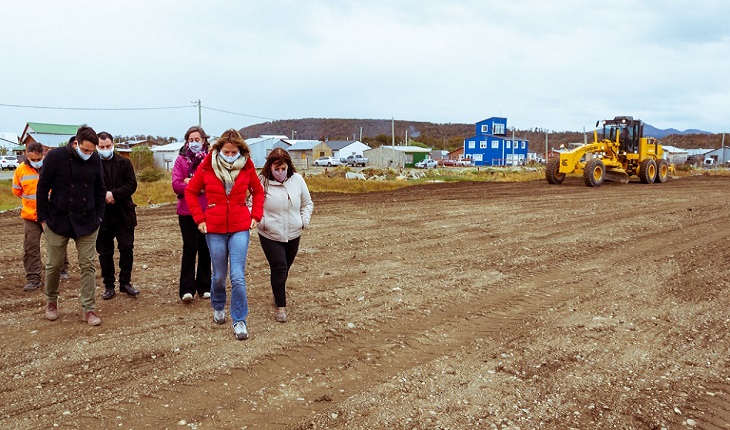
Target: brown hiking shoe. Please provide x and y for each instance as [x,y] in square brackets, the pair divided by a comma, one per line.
[91,318]
[51,311]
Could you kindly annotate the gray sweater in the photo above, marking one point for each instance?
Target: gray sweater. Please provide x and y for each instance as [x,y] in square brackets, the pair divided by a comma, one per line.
[287,209]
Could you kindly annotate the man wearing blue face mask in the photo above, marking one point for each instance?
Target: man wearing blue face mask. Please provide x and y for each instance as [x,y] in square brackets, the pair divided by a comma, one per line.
[120,219]
[71,202]
[25,182]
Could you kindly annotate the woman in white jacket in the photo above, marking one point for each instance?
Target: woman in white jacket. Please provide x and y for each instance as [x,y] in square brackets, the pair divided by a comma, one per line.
[287,210]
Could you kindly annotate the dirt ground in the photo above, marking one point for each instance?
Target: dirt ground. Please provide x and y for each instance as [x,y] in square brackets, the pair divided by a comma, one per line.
[440,306]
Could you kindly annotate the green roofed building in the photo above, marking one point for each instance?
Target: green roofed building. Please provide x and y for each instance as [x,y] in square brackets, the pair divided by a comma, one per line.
[48,135]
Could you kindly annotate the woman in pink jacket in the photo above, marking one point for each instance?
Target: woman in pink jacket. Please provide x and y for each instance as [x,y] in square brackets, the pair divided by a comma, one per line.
[191,281]
[227,176]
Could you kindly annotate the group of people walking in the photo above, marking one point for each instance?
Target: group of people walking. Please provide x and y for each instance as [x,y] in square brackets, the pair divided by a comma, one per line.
[83,191]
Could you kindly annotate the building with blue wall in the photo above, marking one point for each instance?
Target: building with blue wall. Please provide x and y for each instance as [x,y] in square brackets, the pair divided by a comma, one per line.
[493,146]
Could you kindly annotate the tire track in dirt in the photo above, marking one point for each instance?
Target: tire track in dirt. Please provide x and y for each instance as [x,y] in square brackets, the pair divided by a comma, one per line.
[713,408]
[381,350]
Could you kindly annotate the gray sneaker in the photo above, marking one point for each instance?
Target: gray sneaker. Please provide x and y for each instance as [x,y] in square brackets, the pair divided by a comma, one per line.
[32,285]
[219,316]
[239,329]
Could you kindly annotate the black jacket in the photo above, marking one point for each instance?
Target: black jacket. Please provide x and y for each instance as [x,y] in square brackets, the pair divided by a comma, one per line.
[119,178]
[75,205]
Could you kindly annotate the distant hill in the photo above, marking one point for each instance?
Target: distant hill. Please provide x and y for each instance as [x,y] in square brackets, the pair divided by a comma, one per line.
[448,136]
[659,133]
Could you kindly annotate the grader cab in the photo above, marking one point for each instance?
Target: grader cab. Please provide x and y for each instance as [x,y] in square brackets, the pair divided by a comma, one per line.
[621,152]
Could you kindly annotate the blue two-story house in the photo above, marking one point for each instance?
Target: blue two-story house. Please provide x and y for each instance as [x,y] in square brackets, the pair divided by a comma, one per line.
[493,145]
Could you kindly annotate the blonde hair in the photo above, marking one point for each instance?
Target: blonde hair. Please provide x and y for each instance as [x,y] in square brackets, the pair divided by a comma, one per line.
[234,137]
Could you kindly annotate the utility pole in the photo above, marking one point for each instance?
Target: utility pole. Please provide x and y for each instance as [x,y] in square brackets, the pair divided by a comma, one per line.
[293,132]
[200,113]
[360,134]
[546,146]
[392,130]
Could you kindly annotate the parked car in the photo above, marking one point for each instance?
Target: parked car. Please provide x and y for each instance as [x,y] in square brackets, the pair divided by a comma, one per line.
[428,163]
[464,162]
[8,162]
[356,160]
[447,162]
[327,161]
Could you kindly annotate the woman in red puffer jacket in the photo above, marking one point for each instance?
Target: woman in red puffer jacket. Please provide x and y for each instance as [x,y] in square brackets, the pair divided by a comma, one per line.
[226,176]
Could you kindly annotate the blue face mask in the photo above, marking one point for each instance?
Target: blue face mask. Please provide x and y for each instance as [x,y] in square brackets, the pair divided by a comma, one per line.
[82,155]
[195,146]
[106,153]
[230,159]
[36,164]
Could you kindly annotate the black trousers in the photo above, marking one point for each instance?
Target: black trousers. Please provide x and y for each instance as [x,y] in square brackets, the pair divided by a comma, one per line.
[194,245]
[105,248]
[280,256]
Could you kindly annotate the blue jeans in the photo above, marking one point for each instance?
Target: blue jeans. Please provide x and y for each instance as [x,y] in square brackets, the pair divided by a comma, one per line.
[222,247]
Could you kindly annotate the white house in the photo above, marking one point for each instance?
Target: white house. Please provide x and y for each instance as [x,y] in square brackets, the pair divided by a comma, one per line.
[343,148]
[165,155]
[720,155]
[675,155]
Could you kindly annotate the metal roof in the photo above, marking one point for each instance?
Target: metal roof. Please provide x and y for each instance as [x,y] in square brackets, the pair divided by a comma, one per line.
[39,127]
[302,145]
[407,148]
[174,146]
[52,140]
[336,145]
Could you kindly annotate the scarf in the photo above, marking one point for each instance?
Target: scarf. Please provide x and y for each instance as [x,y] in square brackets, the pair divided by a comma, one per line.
[226,171]
[194,158]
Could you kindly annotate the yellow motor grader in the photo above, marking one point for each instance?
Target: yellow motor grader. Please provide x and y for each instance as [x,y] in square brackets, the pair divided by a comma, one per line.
[623,151]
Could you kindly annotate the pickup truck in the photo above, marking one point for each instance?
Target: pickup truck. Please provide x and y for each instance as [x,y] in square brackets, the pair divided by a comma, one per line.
[356,160]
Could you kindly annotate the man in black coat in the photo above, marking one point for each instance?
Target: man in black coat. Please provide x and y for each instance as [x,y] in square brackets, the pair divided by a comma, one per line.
[120,219]
[70,203]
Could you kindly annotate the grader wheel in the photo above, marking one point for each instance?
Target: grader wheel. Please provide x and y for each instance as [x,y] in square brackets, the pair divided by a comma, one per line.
[647,171]
[552,172]
[662,171]
[594,173]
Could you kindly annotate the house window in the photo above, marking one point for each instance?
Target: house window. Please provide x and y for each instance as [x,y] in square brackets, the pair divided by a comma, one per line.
[485,128]
[472,144]
[477,157]
[523,145]
[498,129]
[495,144]
[483,144]
[509,144]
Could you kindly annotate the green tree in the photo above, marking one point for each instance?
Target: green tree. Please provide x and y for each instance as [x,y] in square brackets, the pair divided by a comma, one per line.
[142,157]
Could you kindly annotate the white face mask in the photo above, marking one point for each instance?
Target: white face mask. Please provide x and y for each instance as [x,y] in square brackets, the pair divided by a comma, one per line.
[230,159]
[36,164]
[82,155]
[195,146]
[106,153]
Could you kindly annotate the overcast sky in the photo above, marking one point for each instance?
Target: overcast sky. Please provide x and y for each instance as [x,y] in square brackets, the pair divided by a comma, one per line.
[557,65]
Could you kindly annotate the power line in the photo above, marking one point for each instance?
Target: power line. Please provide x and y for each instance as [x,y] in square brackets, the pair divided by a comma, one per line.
[236,113]
[81,108]
[134,109]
